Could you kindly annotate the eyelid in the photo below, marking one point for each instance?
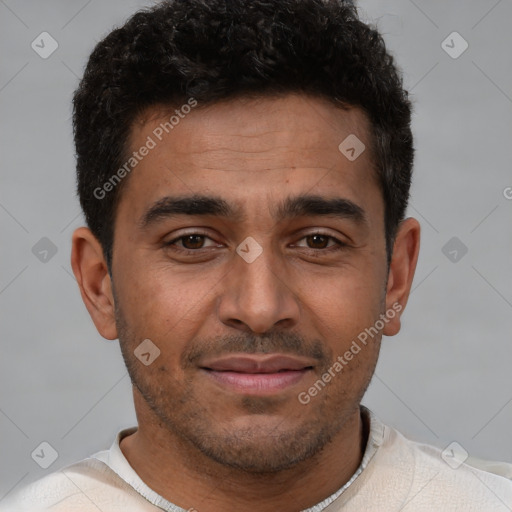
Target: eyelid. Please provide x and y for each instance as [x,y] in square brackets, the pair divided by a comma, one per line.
[336,240]
[183,235]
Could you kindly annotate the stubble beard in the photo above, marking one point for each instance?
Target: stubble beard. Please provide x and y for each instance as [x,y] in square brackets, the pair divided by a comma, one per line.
[259,449]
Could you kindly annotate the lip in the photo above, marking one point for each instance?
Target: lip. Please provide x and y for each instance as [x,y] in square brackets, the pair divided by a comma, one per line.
[257,375]
[244,363]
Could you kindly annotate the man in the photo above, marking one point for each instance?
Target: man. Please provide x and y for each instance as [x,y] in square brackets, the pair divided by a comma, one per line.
[244,170]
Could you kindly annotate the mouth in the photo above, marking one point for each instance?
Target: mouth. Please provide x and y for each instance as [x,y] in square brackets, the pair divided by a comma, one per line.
[263,375]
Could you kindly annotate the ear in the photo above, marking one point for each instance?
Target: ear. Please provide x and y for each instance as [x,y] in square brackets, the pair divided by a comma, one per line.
[401,271]
[91,273]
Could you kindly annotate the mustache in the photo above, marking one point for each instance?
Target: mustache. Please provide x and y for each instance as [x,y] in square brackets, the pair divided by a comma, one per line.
[276,342]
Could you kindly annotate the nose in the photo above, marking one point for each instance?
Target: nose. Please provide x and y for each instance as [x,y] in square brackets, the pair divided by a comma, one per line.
[258,296]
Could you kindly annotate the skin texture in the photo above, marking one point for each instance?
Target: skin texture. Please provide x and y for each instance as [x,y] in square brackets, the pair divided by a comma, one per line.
[201,444]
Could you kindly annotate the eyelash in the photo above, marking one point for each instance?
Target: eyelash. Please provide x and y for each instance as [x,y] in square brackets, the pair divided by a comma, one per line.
[339,245]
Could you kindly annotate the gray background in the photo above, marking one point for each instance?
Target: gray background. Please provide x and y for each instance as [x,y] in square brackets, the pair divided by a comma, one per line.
[445,377]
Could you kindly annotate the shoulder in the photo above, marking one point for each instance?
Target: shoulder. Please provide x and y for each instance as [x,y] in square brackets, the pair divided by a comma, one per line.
[80,487]
[448,479]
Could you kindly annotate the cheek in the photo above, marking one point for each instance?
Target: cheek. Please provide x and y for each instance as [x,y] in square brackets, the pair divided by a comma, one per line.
[165,307]
[343,308]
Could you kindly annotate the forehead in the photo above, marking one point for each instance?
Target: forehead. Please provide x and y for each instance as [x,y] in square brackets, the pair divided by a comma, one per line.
[253,125]
[249,150]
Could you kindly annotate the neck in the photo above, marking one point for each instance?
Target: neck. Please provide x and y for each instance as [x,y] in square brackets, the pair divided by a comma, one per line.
[178,472]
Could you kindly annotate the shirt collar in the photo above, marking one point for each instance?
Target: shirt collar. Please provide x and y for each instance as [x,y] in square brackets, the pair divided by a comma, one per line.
[115,459]
[375,439]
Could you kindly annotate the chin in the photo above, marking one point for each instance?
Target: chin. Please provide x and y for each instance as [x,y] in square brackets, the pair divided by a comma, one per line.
[262,445]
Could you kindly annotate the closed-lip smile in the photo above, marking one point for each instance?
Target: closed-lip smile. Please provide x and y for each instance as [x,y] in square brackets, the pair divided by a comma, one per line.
[257,374]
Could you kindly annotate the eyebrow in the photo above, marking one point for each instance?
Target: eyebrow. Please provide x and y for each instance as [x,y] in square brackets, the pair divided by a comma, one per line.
[292,207]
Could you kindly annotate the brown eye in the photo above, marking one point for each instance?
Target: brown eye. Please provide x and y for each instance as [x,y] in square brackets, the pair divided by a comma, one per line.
[321,242]
[192,241]
[317,241]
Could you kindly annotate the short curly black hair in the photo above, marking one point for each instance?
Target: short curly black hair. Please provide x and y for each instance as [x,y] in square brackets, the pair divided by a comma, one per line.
[214,50]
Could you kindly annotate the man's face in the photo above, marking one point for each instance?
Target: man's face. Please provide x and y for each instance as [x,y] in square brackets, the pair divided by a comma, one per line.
[257,305]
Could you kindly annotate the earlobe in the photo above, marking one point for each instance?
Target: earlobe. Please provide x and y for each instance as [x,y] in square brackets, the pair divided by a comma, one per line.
[91,272]
[401,272]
